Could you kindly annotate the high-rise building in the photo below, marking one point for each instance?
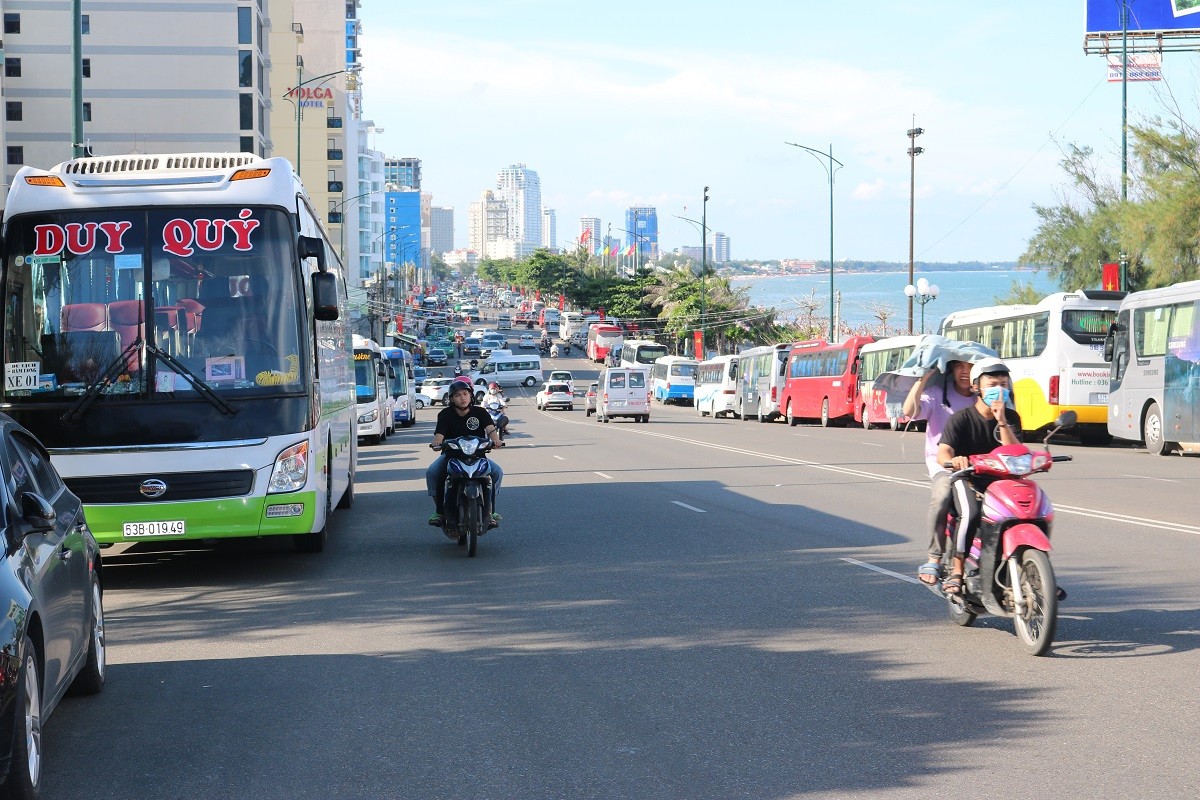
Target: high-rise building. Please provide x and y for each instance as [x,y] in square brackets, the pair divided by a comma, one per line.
[401,238]
[720,248]
[591,227]
[643,222]
[210,94]
[549,229]
[521,190]
[487,224]
[441,230]
[403,172]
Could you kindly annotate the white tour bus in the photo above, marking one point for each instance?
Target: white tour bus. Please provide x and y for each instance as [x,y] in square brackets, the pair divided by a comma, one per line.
[717,386]
[673,378]
[372,377]
[175,330]
[403,386]
[876,358]
[641,353]
[1055,352]
[569,324]
[1154,350]
[762,372]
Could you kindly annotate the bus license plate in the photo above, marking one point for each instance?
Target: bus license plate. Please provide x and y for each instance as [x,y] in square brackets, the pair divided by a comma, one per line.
[1100,398]
[136,530]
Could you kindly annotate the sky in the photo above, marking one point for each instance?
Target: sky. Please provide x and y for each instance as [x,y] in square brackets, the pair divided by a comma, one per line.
[620,103]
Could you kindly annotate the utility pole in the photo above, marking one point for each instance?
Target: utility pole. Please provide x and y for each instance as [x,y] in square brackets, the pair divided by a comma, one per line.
[703,263]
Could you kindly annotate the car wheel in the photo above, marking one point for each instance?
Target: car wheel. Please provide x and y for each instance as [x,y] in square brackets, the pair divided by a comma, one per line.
[90,679]
[25,768]
[529,382]
[570,408]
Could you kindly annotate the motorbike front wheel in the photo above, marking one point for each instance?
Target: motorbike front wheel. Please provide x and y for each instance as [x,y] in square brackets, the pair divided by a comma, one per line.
[473,523]
[1035,628]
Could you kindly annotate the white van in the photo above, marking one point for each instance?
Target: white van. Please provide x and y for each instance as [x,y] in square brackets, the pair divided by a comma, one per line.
[624,392]
[507,369]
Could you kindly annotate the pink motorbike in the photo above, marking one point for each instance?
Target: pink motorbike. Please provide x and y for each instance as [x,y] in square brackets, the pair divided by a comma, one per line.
[1007,571]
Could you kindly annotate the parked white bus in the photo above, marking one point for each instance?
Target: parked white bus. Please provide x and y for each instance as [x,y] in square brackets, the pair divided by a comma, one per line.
[717,386]
[673,378]
[1054,350]
[762,371]
[1154,382]
[175,330]
[372,376]
[885,355]
[403,386]
[641,352]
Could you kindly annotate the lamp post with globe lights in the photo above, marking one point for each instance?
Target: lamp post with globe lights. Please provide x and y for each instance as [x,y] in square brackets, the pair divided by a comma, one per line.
[923,292]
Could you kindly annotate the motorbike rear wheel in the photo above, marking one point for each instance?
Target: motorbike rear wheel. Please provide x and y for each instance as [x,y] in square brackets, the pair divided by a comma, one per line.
[1035,628]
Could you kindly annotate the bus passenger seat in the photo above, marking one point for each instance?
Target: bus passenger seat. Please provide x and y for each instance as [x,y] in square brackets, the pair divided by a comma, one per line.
[127,318]
[84,317]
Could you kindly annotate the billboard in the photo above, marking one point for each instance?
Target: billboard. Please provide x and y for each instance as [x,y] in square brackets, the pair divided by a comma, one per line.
[1145,16]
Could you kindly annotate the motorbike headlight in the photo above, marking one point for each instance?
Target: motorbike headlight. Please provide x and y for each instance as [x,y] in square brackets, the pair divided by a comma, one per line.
[1018,465]
[291,470]
[468,446]
[370,416]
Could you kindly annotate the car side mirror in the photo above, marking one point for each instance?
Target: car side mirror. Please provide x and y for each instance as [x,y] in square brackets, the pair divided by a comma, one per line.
[37,514]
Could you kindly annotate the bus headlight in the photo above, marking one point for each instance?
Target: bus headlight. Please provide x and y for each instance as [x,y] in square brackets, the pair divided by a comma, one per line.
[291,470]
[370,416]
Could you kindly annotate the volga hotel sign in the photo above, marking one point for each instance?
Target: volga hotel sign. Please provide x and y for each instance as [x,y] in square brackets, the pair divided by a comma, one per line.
[311,96]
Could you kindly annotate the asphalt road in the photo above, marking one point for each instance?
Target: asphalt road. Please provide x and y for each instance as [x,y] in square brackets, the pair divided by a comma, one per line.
[686,609]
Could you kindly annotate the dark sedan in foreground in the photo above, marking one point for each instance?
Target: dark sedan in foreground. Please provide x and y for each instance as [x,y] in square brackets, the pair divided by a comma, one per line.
[52,636]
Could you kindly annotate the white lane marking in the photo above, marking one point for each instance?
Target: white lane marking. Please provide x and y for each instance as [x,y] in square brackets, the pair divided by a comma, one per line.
[602,475]
[865,565]
[560,458]
[870,444]
[1148,478]
[1108,516]
[690,508]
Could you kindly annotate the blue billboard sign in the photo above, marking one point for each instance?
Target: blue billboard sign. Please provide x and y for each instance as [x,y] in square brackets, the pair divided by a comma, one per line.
[1145,16]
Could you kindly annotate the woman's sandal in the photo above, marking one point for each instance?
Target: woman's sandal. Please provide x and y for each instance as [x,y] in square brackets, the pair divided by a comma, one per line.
[953,584]
[931,570]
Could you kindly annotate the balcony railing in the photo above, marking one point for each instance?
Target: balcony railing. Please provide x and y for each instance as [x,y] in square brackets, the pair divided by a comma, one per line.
[333,122]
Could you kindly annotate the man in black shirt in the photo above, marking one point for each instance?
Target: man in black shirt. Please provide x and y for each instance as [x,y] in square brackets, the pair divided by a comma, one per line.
[974,431]
[460,418]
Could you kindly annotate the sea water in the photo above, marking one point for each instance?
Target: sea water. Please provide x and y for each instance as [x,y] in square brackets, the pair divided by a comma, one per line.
[863,292]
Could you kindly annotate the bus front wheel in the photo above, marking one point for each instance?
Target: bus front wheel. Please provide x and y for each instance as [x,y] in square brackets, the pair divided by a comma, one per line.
[791,421]
[1154,433]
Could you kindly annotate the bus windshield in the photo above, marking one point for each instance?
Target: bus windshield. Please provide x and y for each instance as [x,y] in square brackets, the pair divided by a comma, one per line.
[133,304]
[648,354]
[366,370]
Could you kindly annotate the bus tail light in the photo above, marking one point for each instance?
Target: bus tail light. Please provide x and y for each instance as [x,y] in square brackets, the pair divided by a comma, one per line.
[1053,390]
[774,394]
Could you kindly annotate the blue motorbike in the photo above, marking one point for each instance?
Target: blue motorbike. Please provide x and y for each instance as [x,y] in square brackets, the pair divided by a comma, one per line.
[467,491]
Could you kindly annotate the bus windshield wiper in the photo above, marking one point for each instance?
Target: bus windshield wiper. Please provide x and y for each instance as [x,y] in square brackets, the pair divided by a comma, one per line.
[200,386]
[102,380]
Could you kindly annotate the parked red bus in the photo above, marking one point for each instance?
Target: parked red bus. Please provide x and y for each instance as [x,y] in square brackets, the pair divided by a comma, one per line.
[602,338]
[821,381]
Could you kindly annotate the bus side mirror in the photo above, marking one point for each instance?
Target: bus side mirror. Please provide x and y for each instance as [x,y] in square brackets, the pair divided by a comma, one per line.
[325,296]
[312,247]
[1110,342]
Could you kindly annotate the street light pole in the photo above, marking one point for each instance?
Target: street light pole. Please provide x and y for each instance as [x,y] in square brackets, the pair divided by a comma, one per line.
[296,91]
[830,169]
[703,264]
[913,152]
